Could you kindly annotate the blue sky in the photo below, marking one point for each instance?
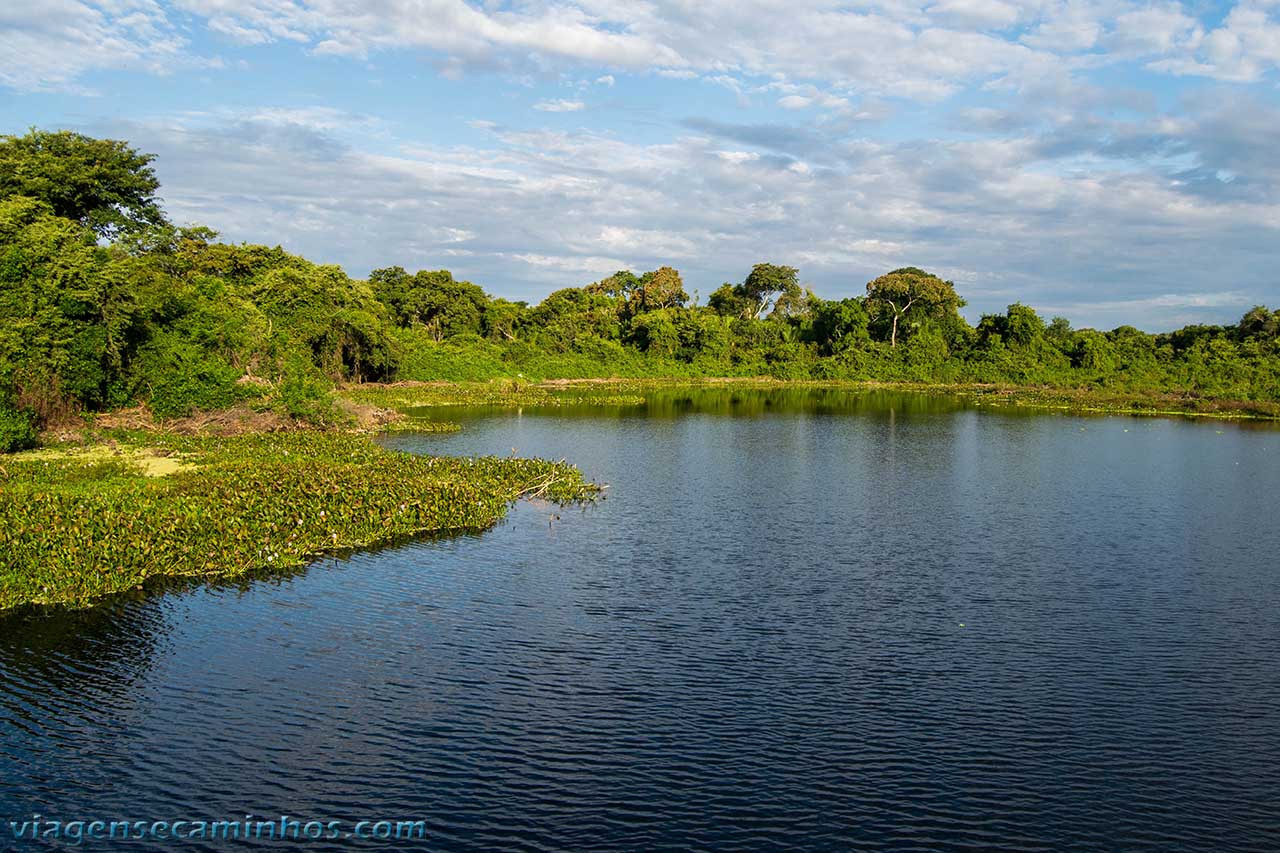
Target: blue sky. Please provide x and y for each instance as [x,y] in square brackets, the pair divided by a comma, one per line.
[1112,162]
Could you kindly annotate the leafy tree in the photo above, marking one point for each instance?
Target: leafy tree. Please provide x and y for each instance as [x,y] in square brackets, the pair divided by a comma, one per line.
[661,288]
[621,285]
[727,300]
[655,332]
[502,319]
[751,299]
[572,312]
[1059,333]
[68,310]
[1188,336]
[1019,326]
[766,282]
[1259,322]
[1093,352]
[794,304]
[433,299]
[335,321]
[898,291]
[839,325]
[102,184]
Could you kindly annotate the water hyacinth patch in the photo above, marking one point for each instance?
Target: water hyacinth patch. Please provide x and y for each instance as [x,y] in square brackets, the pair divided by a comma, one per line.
[421,425]
[72,532]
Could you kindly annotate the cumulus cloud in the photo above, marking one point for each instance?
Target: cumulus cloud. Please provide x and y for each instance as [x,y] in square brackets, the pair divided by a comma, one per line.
[1136,242]
[49,45]
[1244,48]
[560,105]
[922,49]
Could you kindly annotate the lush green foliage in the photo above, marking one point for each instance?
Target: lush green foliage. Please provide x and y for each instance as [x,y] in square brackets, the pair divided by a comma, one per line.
[893,295]
[17,429]
[75,526]
[100,183]
[105,305]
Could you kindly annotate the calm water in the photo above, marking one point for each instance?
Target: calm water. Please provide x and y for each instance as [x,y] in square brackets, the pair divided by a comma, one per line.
[804,621]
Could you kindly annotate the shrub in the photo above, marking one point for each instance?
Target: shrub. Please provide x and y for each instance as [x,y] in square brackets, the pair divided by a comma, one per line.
[17,429]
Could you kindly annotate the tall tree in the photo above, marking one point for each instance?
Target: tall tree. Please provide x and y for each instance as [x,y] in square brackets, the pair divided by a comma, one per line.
[753,297]
[103,184]
[767,281]
[661,288]
[902,289]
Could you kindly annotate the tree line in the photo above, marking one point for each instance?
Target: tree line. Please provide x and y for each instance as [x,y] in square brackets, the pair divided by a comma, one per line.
[104,303]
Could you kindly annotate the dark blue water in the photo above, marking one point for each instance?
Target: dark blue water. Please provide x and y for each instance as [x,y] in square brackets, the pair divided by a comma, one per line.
[801,622]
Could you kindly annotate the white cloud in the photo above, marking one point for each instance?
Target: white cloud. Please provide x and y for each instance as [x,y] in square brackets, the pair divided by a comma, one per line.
[49,45]
[980,14]
[1153,30]
[560,105]
[921,49]
[640,241]
[1243,49]
[800,97]
[589,264]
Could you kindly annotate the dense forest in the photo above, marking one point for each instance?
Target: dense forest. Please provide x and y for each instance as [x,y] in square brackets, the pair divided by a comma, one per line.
[104,304]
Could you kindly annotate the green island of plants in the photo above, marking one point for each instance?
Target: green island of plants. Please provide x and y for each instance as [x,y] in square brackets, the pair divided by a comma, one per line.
[80,523]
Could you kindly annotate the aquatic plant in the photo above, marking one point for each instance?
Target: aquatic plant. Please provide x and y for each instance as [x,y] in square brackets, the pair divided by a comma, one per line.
[74,529]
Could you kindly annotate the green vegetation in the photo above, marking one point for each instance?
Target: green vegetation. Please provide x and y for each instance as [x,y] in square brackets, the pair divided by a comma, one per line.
[414,395]
[104,304]
[79,524]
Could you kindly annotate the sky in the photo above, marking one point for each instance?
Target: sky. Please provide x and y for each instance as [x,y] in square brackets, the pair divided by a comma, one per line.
[1109,161]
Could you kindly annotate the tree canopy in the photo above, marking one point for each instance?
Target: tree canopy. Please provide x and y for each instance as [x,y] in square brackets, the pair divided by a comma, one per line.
[103,184]
[902,289]
[752,298]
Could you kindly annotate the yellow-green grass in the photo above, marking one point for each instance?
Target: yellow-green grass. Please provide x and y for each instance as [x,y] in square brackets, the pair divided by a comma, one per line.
[77,525]
[499,392]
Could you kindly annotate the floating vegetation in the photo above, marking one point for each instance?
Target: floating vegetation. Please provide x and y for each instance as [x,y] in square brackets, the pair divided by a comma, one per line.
[420,425]
[78,526]
[1111,402]
[412,395]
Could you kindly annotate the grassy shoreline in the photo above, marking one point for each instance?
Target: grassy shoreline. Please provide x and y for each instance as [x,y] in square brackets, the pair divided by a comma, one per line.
[625,391]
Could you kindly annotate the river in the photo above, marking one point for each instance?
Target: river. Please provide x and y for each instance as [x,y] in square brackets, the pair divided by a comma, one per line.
[800,620]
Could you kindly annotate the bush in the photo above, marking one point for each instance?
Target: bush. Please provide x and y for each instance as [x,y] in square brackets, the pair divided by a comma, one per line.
[307,398]
[182,380]
[17,429]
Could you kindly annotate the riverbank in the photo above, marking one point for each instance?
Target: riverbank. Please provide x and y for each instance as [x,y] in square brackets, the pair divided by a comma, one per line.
[82,521]
[402,396]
